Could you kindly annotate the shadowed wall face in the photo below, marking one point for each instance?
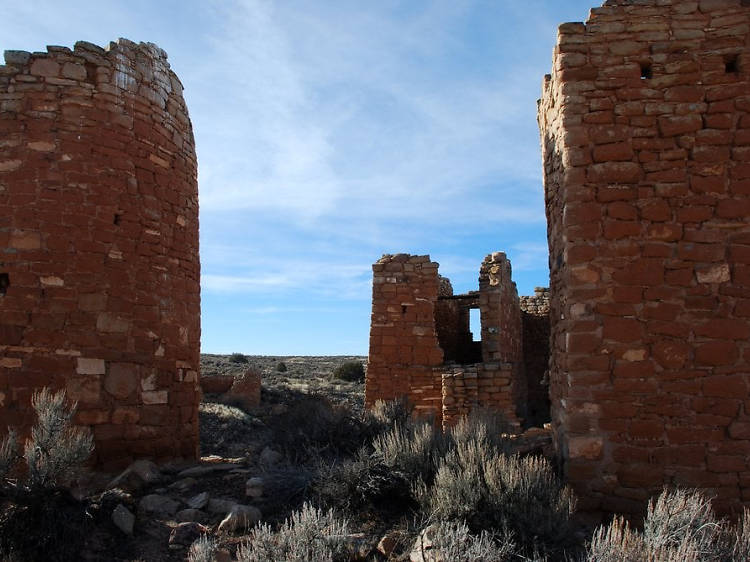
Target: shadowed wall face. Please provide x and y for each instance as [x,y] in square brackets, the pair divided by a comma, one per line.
[645,125]
[99,270]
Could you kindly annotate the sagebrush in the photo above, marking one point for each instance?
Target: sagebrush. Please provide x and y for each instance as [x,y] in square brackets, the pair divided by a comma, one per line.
[680,526]
[308,534]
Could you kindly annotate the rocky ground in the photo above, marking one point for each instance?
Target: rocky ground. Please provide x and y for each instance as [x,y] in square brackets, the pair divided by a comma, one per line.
[153,513]
[257,465]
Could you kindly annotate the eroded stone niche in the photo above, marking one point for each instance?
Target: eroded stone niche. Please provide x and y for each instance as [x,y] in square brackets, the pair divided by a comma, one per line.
[645,126]
[99,263]
[421,346]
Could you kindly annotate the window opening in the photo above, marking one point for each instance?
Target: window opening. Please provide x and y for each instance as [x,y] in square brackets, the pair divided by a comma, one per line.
[646,71]
[4,283]
[475,324]
[731,65]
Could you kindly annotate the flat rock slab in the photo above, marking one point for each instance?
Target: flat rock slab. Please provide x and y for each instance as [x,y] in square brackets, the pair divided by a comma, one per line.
[203,469]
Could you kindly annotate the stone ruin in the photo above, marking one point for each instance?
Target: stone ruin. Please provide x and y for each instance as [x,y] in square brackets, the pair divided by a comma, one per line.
[645,129]
[99,270]
[645,126]
[421,346]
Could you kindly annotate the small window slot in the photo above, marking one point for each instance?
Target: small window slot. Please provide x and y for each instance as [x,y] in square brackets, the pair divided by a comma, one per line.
[646,71]
[4,283]
[732,65]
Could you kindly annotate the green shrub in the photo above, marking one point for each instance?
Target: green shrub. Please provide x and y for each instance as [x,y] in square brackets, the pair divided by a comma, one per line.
[53,454]
[309,534]
[454,543]
[202,550]
[740,537]
[56,449]
[238,358]
[281,367]
[390,412]
[363,481]
[477,483]
[679,526]
[681,518]
[8,453]
[352,371]
[313,427]
[412,449]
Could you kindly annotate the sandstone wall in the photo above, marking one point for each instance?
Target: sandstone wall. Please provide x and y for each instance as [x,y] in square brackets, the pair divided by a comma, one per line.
[418,324]
[536,331]
[403,342]
[99,245]
[646,144]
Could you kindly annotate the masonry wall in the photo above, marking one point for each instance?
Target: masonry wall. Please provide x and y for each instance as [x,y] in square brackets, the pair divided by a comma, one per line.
[415,313]
[404,345]
[646,144]
[99,263]
[536,331]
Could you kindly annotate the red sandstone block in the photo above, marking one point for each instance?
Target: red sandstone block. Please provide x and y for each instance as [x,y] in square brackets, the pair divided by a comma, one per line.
[724,328]
[634,369]
[671,354]
[708,184]
[684,455]
[633,295]
[739,253]
[620,151]
[742,308]
[614,229]
[646,429]
[614,173]
[644,272]
[657,211]
[622,329]
[730,386]
[665,232]
[639,475]
[716,353]
[614,410]
[726,463]
[701,252]
[640,386]
[679,125]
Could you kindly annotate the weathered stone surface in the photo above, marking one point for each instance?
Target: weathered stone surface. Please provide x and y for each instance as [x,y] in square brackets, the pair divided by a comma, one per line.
[136,476]
[648,204]
[254,487]
[158,504]
[245,389]
[199,501]
[123,519]
[220,506]
[269,457]
[107,303]
[240,517]
[418,325]
[184,534]
[188,515]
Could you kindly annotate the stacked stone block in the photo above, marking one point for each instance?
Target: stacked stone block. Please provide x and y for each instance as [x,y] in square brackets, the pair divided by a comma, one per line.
[99,246]
[414,311]
[645,126]
[403,342]
[485,386]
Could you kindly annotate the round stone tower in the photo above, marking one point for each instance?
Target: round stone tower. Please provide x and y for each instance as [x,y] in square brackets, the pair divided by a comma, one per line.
[99,266]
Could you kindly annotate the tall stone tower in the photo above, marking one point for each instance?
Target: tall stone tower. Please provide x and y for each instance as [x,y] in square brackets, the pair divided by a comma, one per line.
[99,267]
[645,126]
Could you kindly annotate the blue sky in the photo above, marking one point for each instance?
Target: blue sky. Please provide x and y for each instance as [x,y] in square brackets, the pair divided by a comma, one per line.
[330,132]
